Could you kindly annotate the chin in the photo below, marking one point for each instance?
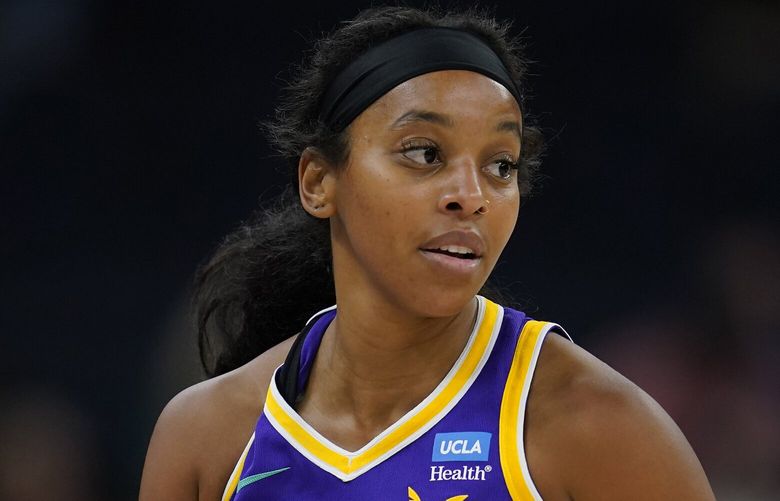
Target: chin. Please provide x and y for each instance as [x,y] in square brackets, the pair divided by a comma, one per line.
[441,301]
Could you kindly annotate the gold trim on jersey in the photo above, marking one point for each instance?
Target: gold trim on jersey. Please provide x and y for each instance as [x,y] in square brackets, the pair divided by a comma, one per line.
[232,483]
[513,405]
[348,465]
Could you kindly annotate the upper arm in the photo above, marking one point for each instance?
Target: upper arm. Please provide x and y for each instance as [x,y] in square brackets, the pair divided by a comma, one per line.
[170,470]
[631,449]
[620,444]
[202,431]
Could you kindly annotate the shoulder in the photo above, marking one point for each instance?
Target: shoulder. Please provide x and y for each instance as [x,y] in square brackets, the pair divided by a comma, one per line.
[606,437]
[202,431]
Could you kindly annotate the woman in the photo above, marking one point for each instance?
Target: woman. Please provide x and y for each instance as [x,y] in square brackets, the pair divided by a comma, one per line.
[412,151]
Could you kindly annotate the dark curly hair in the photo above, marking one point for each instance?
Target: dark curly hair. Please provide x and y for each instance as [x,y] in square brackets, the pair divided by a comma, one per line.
[274,271]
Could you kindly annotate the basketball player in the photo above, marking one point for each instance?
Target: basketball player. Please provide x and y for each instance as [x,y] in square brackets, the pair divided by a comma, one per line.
[412,151]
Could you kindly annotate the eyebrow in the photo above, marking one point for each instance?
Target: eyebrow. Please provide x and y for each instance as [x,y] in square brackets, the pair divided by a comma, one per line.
[440,119]
[422,116]
[511,126]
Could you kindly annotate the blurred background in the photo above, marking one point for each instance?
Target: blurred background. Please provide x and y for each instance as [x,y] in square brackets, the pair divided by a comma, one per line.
[129,147]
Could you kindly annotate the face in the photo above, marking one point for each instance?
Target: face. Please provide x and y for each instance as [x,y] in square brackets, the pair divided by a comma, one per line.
[429,196]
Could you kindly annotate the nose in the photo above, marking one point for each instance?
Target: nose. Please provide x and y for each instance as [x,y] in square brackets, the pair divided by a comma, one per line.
[462,195]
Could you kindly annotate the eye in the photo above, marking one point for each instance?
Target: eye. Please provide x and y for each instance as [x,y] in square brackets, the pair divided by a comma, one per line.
[502,168]
[421,152]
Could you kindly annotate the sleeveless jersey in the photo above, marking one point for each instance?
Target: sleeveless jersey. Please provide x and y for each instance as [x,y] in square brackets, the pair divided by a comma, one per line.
[464,441]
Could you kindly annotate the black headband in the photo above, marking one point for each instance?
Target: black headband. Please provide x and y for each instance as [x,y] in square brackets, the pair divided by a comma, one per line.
[399,59]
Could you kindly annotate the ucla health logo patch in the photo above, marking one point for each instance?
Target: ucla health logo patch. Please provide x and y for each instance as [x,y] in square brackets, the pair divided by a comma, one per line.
[461,446]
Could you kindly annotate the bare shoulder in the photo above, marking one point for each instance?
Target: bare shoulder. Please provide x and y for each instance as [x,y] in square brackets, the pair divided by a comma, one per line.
[203,430]
[602,435]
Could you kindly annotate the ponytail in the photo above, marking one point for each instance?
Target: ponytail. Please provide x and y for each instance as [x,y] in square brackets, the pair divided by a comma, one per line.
[261,285]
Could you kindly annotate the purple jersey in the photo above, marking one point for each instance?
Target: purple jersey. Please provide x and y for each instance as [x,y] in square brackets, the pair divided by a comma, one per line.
[464,441]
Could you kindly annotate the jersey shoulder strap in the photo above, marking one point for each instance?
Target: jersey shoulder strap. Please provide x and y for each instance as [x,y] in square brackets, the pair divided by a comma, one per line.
[513,407]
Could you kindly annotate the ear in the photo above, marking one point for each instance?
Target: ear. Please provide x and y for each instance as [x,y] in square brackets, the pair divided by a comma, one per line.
[316,184]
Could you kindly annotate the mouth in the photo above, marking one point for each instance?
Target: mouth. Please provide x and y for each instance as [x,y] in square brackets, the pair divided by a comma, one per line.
[462,263]
[455,251]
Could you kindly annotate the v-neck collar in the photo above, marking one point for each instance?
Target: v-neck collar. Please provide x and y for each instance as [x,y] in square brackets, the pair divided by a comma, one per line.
[348,465]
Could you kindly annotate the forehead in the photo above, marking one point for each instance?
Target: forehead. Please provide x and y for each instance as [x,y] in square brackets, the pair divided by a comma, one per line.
[452,92]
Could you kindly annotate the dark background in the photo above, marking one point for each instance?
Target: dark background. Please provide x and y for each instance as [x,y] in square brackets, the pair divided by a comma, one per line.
[129,147]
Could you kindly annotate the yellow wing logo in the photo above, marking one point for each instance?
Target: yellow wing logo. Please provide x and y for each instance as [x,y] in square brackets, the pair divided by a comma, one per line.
[413,496]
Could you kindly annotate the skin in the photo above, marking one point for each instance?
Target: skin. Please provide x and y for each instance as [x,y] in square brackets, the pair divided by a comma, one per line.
[430,156]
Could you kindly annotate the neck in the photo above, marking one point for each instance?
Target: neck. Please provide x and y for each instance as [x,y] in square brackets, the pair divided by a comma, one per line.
[379,346]
[376,363]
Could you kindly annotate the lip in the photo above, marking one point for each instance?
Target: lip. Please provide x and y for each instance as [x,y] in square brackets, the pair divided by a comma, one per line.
[461,238]
[450,264]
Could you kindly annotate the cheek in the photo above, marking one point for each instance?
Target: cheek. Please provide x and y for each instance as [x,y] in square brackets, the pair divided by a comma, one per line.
[375,211]
[505,213]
